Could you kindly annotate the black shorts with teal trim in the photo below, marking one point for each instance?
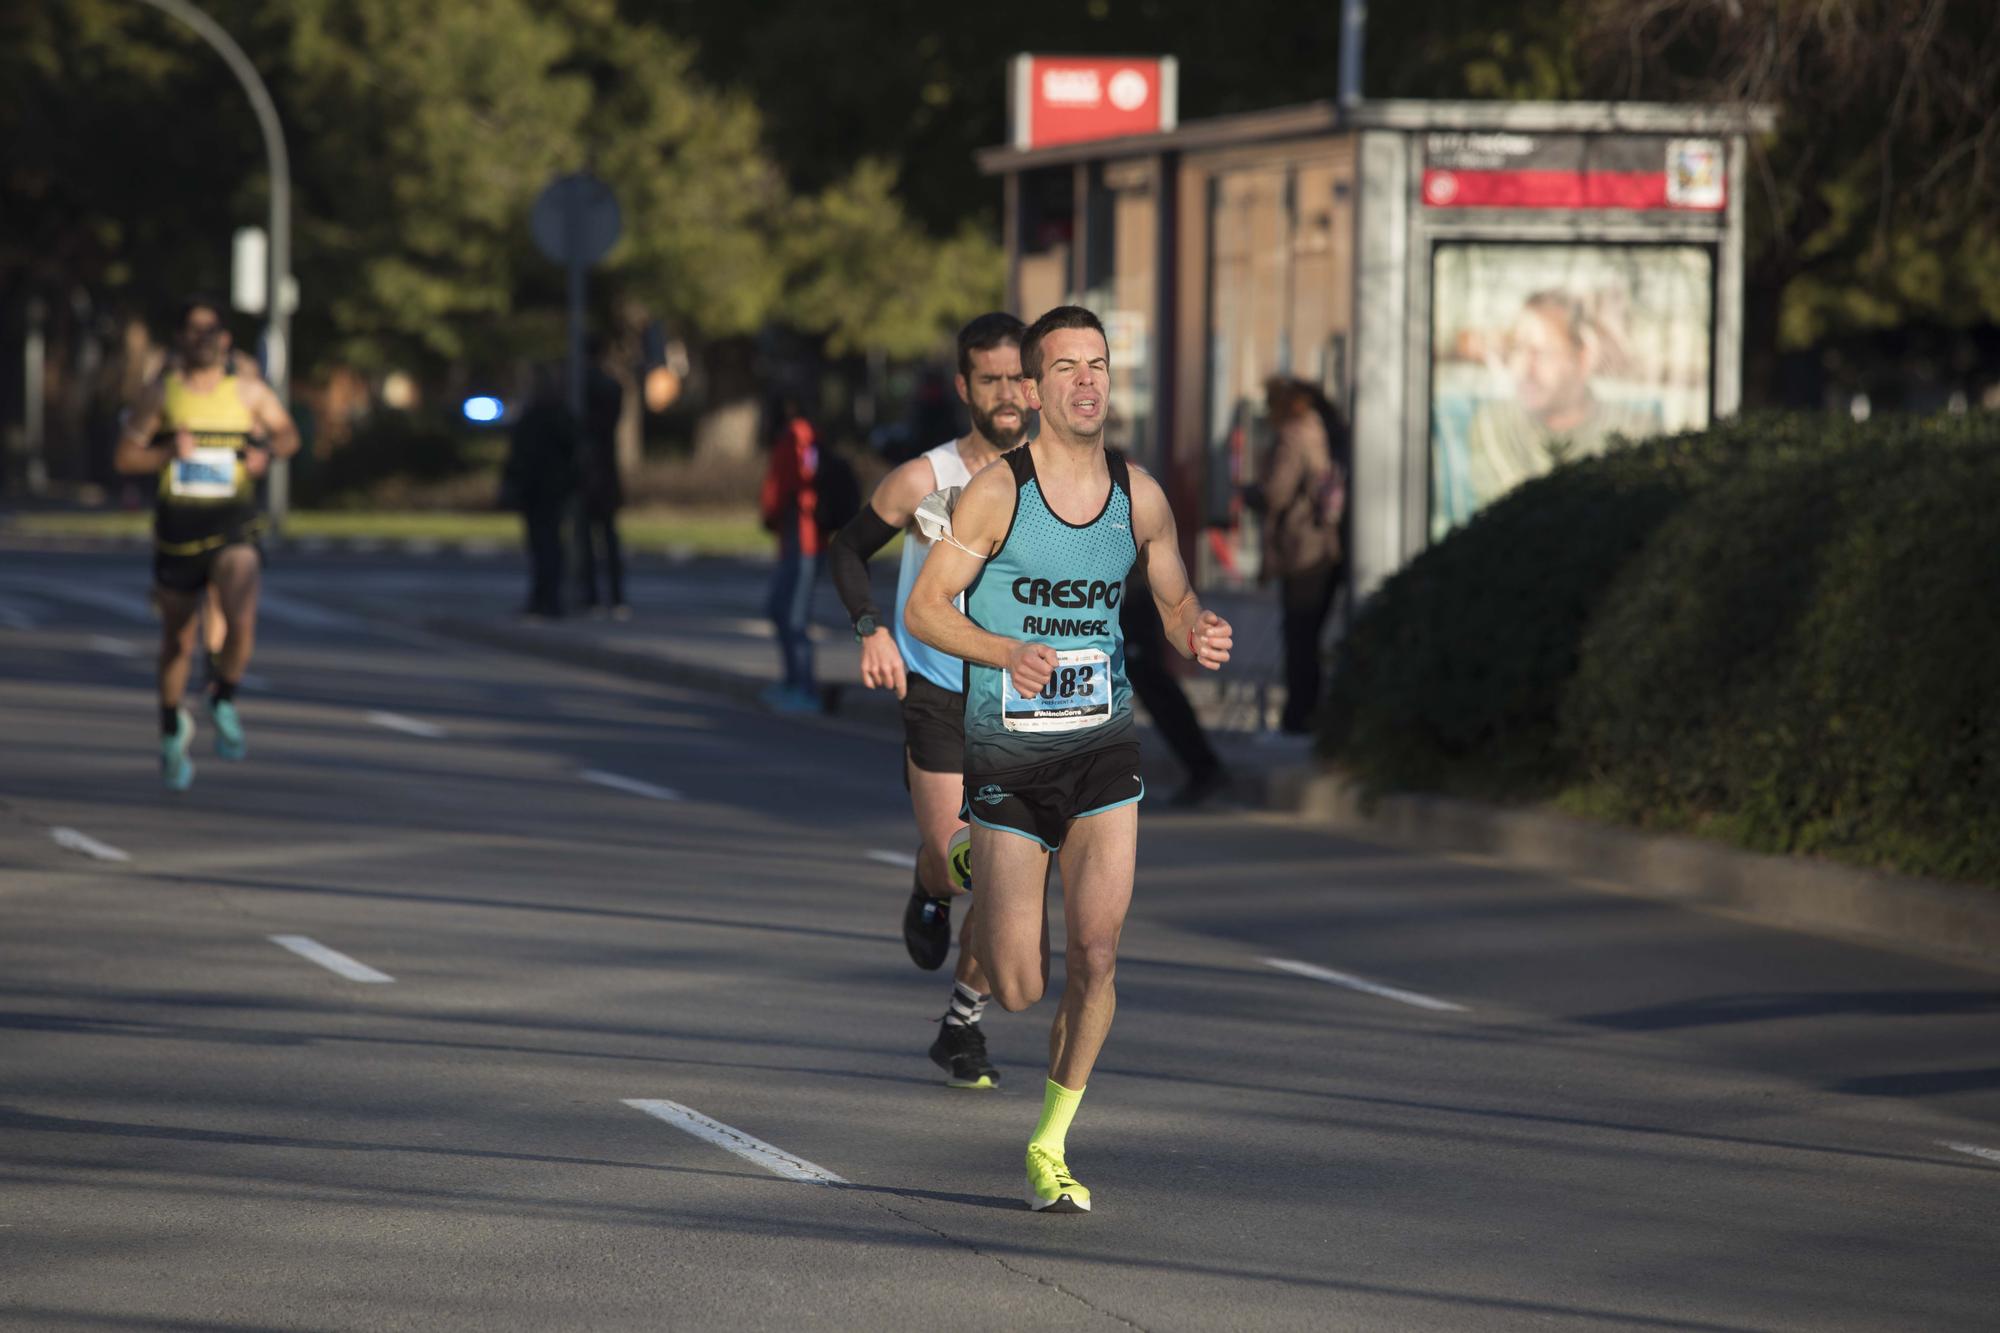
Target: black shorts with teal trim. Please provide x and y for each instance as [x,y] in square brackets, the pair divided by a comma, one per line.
[1042,802]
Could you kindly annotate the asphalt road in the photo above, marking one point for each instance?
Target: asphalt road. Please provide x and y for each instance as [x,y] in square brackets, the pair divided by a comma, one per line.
[1469,1097]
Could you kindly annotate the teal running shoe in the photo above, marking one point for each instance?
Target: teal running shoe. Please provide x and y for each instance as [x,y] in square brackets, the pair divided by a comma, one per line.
[228,729]
[176,769]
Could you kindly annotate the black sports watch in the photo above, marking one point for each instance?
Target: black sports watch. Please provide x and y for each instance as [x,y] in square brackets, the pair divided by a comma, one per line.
[865,624]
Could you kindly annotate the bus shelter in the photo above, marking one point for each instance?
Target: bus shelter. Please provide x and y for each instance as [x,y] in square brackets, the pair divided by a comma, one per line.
[1483,289]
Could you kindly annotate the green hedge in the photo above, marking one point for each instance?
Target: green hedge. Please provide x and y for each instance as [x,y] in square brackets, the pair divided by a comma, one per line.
[388,446]
[1780,631]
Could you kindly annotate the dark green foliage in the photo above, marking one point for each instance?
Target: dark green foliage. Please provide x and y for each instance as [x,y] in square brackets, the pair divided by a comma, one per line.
[1805,656]
[387,447]
[1780,631]
[1453,672]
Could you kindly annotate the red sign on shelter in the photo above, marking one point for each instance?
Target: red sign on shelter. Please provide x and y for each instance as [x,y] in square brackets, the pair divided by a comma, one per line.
[1072,99]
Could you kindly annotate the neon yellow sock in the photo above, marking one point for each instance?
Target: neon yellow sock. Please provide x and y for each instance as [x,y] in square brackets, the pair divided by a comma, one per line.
[1058,1109]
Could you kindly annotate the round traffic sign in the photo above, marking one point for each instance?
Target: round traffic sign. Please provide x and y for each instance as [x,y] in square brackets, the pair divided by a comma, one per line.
[576,219]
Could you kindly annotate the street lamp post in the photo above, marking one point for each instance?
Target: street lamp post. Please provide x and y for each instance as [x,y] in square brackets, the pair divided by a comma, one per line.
[278,329]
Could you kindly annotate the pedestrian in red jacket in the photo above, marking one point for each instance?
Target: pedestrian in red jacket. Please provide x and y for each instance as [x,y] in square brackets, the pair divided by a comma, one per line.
[788,503]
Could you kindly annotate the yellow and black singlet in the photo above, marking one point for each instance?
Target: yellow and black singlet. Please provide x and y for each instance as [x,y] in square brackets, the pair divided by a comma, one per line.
[208,500]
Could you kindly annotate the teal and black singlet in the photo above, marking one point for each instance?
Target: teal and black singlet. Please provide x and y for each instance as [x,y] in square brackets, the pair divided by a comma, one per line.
[1057,583]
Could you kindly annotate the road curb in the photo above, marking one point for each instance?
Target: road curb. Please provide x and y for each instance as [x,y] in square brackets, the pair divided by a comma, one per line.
[1959,921]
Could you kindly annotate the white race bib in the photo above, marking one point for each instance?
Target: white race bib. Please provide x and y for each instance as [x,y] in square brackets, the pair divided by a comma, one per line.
[1077,696]
[209,475]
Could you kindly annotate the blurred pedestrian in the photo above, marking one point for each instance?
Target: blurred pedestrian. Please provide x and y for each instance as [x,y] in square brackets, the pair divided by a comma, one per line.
[539,479]
[788,503]
[1153,680]
[601,492]
[1301,491]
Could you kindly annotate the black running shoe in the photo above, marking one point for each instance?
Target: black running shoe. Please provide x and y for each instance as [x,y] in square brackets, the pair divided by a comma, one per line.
[960,1051]
[927,929]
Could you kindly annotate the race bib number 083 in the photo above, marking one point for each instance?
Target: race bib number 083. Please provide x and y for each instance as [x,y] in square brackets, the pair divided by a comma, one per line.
[1077,696]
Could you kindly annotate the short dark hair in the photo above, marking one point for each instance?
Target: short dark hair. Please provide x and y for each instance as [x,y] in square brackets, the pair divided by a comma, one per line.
[200,301]
[1062,317]
[986,332]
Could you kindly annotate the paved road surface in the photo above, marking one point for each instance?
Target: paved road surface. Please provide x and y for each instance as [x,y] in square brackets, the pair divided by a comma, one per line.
[1348,1087]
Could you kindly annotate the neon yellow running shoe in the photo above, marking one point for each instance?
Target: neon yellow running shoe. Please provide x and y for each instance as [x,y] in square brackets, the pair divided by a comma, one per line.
[1051,1188]
[958,859]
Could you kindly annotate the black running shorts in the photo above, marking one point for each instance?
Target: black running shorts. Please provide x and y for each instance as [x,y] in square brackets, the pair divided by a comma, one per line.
[1041,802]
[190,572]
[934,726]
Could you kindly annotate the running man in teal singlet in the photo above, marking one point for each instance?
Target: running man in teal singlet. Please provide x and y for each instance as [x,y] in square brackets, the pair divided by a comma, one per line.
[1040,547]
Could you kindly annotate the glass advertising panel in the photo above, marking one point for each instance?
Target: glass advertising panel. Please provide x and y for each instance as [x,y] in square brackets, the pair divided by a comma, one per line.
[1543,353]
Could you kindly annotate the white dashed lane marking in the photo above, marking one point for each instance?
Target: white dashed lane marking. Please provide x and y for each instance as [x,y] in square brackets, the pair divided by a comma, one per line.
[1972,1150]
[72,840]
[887,858]
[126,605]
[775,1160]
[104,643]
[619,782]
[331,959]
[1362,984]
[409,726]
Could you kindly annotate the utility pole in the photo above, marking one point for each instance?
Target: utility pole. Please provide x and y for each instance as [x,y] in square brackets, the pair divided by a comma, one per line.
[278,314]
[1353,41]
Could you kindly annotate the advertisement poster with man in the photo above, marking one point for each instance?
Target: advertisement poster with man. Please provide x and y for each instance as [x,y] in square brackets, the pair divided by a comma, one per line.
[1545,353]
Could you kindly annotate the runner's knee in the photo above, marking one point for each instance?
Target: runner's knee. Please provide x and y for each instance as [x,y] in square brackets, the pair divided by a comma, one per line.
[1091,961]
[1017,992]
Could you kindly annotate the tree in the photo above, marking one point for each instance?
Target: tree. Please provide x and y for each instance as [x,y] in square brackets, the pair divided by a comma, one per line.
[1875,203]
[865,274]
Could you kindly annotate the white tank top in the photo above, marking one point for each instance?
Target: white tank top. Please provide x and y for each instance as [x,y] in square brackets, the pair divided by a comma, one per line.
[940,669]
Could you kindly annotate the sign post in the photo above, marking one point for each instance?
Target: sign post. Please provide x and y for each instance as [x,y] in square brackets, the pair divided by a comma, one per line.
[576,222]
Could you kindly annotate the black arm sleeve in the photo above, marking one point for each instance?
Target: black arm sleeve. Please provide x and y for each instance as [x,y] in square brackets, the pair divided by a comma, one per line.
[847,560]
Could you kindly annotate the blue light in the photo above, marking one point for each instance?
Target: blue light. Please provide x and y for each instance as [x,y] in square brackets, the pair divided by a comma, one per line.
[483,408]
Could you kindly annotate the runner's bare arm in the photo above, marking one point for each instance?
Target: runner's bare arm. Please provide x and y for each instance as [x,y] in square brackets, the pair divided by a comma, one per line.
[280,434]
[979,524]
[136,454]
[1200,634]
[847,555]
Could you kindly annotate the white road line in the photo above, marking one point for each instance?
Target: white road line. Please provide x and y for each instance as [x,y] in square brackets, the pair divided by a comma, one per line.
[1972,1150]
[620,782]
[104,643]
[1352,982]
[71,840]
[130,605]
[409,726]
[331,959]
[775,1160]
[903,859]
[304,615]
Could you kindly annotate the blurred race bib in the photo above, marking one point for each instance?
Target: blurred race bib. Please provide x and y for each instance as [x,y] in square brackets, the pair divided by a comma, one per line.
[209,475]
